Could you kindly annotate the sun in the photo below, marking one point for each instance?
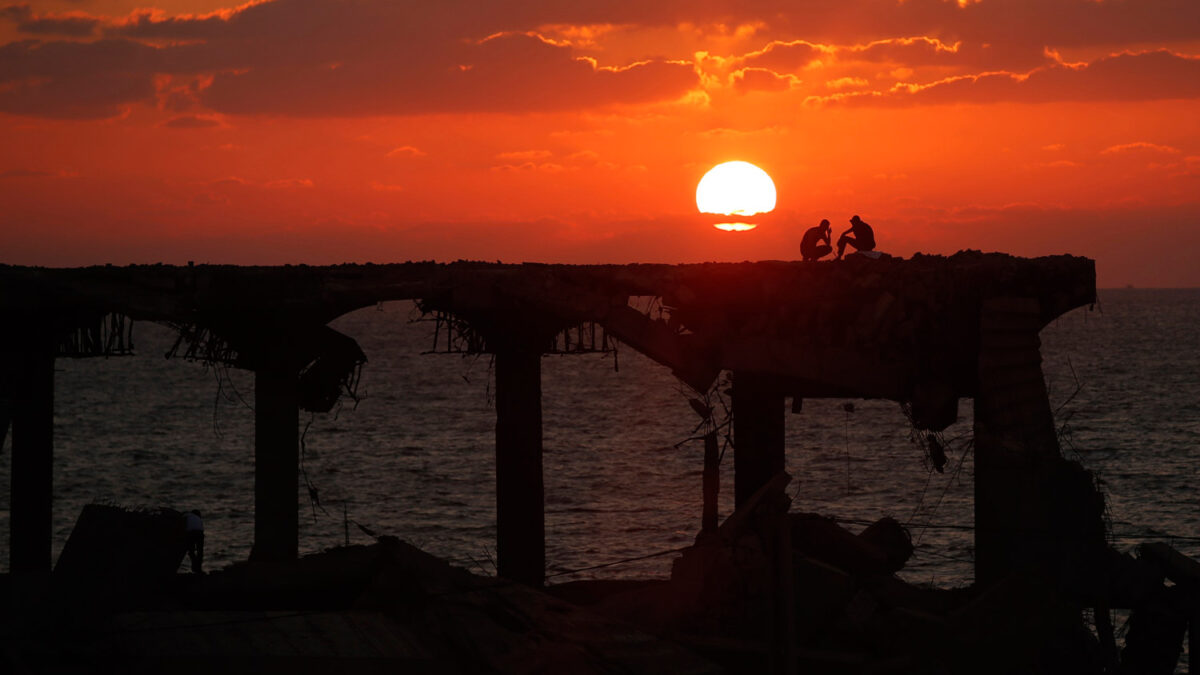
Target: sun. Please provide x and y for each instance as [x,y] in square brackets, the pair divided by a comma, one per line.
[735,189]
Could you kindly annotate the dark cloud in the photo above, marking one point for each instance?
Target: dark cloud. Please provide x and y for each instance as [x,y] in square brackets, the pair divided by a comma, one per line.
[372,57]
[915,52]
[324,58]
[1153,75]
[1002,23]
[908,52]
[75,80]
[1143,76]
[509,73]
[71,25]
[16,12]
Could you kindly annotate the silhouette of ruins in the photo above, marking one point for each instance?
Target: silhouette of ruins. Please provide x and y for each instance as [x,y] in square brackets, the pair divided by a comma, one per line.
[924,332]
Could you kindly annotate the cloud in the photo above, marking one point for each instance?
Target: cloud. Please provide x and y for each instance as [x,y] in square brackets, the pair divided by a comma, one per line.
[1140,146]
[239,183]
[1031,24]
[191,122]
[406,151]
[70,25]
[522,155]
[852,66]
[379,57]
[787,56]
[740,134]
[1141,76]
[543,167]
[288,183]
[364,58]
[920,51]
[847,83]
[505,73]
[75,80]
[762,79]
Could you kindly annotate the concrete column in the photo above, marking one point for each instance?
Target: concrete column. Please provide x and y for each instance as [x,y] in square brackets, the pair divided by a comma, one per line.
[758,425]
[520,499]
[1015,441]
[276,465]
[30,520]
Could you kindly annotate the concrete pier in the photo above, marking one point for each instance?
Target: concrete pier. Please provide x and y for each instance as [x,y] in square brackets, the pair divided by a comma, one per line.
[758,432]
[925,332]
[1015,441]
[32,459]
[276,465]
[520,500]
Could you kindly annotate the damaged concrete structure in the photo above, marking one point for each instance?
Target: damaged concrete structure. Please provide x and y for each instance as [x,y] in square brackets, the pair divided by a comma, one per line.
[924,332]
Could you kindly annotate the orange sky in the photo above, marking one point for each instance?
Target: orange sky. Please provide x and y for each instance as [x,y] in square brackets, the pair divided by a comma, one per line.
[324,131]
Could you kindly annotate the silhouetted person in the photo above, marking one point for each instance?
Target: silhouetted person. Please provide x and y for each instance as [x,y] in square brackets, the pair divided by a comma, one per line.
[816,242]
[193,528]
[863,239]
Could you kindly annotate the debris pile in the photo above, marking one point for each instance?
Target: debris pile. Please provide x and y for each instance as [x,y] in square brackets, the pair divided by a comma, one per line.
[118,556]
[772,591]
[383,608]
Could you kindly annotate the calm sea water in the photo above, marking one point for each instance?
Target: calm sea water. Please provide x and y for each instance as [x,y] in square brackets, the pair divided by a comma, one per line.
[414,458]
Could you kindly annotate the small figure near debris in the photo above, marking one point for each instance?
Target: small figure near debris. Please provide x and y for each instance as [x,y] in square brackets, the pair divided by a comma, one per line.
[193,528]
[863,239]
[811,247]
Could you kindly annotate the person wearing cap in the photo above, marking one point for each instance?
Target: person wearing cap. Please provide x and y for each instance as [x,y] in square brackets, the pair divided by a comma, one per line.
[815,244]
[863,239]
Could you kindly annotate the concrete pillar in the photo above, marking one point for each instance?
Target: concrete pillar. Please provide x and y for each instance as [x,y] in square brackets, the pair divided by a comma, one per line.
[1015,441]
[30,520]
[520,499]
[758,426]
[276,465]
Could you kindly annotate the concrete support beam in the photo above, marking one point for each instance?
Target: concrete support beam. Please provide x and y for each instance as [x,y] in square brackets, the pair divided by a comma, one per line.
[1015,441]
[276,465]
[30,520]
[758,426]
[520,499]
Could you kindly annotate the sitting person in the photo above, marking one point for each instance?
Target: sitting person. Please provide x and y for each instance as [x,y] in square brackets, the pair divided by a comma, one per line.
[816,243]
[863,239]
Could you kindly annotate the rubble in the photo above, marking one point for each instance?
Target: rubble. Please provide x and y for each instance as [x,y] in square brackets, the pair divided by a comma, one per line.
[847,612]
[386,607]
[118,556]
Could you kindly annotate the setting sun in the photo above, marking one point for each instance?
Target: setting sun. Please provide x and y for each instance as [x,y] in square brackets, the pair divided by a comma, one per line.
[735,189]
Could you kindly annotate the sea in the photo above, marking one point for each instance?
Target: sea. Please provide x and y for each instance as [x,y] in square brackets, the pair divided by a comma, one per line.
[414,456]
